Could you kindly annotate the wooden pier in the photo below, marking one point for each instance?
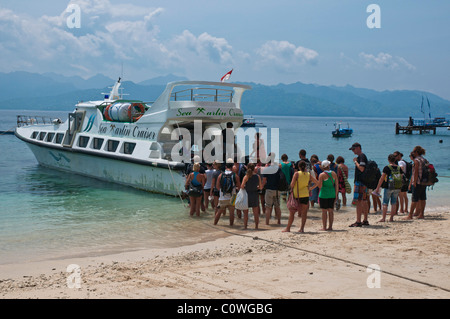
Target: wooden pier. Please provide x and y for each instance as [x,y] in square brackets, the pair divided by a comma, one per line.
[422,126]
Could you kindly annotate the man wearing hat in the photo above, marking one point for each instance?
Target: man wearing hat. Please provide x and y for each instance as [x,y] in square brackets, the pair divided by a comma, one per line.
[361,191]
[225,196]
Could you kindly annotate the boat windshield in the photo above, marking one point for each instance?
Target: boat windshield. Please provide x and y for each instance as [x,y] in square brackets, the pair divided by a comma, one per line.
[211,94]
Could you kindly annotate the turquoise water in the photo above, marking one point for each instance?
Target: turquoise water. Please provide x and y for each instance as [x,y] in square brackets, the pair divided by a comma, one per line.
[48,214]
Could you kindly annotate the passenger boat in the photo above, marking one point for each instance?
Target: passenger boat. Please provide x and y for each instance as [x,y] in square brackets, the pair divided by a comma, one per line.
[133,142]
[342,132]
[251,122]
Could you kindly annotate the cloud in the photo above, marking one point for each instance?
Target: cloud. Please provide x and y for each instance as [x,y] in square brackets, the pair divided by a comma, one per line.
[112,34]
[285,55]
[109,35]
[205,46]
[385,61]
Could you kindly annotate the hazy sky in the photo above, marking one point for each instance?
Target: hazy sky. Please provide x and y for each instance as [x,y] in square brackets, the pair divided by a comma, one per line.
[284,41]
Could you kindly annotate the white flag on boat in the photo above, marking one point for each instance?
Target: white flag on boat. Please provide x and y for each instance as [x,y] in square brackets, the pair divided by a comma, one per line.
[226,76]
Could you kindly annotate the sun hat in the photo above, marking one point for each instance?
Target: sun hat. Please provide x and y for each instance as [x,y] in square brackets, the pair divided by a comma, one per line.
[326,163]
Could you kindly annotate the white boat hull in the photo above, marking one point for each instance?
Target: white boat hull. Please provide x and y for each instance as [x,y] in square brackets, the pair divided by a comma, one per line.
[135,147]
[140,176]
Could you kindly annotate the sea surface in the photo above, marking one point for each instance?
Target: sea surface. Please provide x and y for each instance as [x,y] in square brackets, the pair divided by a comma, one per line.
[46,214]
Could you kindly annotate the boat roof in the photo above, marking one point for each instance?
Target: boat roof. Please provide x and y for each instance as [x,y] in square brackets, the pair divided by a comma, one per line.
[164,100]
[233,85]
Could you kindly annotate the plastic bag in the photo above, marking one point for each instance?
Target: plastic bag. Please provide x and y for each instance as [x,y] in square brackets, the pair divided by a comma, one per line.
[241,202]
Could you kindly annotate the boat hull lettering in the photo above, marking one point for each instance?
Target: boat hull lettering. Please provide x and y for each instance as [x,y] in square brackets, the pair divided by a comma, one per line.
[127,131]
[203,112]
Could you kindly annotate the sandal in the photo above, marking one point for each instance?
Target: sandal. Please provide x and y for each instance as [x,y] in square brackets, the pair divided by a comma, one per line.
[365,223]
[356,225]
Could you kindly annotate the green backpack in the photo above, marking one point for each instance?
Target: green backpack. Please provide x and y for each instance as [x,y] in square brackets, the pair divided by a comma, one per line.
[395,180]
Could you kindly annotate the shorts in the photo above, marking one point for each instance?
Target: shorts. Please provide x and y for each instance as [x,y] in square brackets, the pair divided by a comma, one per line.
[360,191]
[216,192]
[303,200]
[419,192]
[271,198]
[404,188]
[225,203]
[326,203]
[390,195]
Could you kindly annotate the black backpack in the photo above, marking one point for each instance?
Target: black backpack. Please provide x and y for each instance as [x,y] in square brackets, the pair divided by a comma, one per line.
[370,174]
[408,172]
[227,183]
[283,184]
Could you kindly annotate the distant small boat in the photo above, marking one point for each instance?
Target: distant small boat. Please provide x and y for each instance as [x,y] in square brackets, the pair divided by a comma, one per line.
[251,122]
[342,132]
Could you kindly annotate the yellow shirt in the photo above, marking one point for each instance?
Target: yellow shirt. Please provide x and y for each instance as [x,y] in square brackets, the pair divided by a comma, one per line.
[301,185]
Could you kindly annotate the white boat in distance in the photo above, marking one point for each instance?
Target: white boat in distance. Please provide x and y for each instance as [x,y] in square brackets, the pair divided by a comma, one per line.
[130,142]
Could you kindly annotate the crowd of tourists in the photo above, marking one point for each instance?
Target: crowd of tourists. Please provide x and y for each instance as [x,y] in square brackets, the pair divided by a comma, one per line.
[307,182]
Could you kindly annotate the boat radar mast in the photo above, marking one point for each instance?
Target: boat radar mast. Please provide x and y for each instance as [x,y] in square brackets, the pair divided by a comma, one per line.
[114,94]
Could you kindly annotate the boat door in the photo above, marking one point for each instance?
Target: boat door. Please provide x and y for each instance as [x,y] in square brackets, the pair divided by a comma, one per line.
[75,124]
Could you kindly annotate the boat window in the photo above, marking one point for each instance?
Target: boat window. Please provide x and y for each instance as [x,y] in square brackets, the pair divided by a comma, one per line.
[50,137]
[97,144]
[128,148]
[59,138]
[112,145]
[42,135]
[35,134]
[83,141]
[212,94]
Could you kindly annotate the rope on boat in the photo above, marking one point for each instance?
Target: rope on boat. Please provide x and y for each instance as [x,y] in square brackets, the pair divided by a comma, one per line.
[7,131]
[176,187]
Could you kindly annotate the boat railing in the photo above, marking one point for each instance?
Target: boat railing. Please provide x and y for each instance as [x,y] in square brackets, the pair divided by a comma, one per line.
[203,94]
[25,120]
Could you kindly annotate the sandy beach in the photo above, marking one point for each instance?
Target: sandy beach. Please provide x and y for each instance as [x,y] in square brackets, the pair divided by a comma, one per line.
[413,258]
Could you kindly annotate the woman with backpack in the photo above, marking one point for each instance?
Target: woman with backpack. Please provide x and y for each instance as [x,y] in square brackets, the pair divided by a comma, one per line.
[419,181]
[195,183]
[391,181]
